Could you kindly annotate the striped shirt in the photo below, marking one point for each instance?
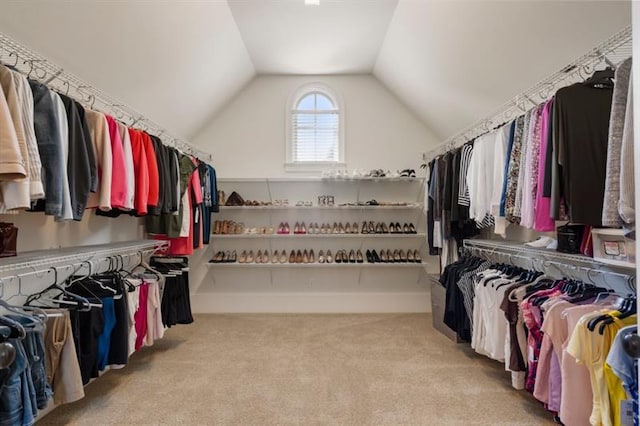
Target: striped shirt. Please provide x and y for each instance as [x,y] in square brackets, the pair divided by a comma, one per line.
[463,189]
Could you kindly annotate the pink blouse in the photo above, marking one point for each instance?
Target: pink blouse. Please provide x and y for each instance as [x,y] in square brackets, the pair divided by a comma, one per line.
[119,174]
[543,221]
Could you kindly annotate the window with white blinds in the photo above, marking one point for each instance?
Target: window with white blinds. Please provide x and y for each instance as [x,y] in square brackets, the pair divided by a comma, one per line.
[315,129]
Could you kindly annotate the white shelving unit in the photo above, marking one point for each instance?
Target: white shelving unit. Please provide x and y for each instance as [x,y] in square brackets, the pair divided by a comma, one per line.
[318,287]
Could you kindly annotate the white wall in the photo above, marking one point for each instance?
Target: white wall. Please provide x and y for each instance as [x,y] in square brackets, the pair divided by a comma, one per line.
[248,136]
[38,232]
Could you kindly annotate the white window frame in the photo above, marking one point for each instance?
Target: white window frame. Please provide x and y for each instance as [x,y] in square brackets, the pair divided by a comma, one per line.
[308,166]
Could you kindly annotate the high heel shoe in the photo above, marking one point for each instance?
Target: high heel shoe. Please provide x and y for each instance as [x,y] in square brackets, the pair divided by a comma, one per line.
[376,258]
[303,228]
[292,257]
[347,228]
[396,256]
[398,228]
[217,258]
[234,257]
[316,229]
[405,228]
[334,230]
[265,256]
[312,257]
[274,258]
[402,256]
[329,258]
[340,228]
[259,256]
[243,257]
[305,257]
[383,256]
[385,230]
[298,256]
[410,257]
[352,257]
[365,228]
[416,256]
[287,230]
[321,257]
[369,256]
[359,258]
[338,258]
[412,229]
[296,228]
[283,257]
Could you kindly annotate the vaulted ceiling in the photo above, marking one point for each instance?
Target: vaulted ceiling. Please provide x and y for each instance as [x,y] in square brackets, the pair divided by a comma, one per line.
[180,62]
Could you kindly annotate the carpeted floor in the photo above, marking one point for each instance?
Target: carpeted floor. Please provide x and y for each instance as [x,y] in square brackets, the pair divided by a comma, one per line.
[305,370]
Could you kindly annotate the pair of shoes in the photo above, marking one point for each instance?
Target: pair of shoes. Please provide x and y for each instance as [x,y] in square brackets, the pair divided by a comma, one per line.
[376,173]
[302,257]
[300,228]
[260,257]
[283,228]
[260,230]
[224,257]
[279,258]
[326,200]
[325,259]
[371,228]
[281,203]
[223,227]
[397,256]
[408,173]
[352,257]
[407,228]
[304,204]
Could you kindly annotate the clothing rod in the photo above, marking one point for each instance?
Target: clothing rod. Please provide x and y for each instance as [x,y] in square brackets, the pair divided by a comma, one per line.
[546,262]
[35,66]
[611,51]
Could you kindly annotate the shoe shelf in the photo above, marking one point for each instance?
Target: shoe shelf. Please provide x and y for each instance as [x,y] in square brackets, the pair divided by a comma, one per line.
[323,179]
[285,236]
[317,265]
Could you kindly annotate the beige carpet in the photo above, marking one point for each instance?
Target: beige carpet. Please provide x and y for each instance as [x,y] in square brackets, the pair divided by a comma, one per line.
[305,369]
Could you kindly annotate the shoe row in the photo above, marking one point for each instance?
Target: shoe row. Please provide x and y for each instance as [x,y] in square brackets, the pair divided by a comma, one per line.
[316,228]
[382,228]
[228,227]
[397,256]
[294,256]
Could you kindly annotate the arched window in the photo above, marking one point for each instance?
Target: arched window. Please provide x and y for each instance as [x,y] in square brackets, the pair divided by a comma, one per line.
[315,131]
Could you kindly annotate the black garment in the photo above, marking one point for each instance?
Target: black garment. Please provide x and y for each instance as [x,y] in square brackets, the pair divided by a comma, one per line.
[455,316]
[582,112]
[447,195]
[78,168]
[455,186]
[119,347]
[548,159]
[433,251]
[173,179]
[87,327]
[176,304]
[157,209]
[47,130]
[93,168]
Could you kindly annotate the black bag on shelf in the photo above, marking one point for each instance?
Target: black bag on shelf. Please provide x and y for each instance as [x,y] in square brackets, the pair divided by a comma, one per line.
[570,238]
[234,200]
[8,239]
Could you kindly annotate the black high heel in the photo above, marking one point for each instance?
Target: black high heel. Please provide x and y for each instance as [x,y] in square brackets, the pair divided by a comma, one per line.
[352,257]
[405,228]
[369,256]
[412,229]
[376,258]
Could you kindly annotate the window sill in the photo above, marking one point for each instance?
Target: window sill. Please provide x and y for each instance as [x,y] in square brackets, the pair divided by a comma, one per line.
[313,166]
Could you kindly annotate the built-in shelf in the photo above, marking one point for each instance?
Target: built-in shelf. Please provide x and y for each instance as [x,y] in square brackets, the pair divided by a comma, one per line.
[317,265]
[285,236]
[258,208]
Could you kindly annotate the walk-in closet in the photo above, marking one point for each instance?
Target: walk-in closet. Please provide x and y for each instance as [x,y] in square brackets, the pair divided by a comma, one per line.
[332,212]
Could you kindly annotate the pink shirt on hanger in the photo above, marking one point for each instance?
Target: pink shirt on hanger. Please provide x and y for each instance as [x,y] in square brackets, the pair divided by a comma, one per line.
[119,176]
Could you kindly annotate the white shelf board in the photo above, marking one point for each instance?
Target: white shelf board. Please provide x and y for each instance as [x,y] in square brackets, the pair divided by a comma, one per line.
[285,236]
[318,265]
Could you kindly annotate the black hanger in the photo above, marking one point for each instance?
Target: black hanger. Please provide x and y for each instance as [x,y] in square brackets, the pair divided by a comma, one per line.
[602,78]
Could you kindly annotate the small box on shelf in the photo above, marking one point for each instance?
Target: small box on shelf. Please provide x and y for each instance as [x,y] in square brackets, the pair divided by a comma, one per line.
[611,246]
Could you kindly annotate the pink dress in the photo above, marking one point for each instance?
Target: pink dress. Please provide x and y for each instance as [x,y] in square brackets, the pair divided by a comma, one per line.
[119,176]
[543,221]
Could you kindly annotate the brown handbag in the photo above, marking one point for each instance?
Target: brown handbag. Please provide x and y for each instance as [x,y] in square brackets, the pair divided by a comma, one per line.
[235,200]
[8,239]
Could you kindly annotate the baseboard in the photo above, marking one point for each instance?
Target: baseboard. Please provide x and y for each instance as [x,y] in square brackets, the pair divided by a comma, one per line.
[384,302]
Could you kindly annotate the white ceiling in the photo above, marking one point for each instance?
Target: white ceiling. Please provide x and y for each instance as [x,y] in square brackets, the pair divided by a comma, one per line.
[180,62]
[177,62]
[454,62]
[336,37]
